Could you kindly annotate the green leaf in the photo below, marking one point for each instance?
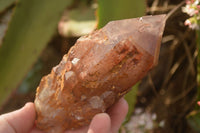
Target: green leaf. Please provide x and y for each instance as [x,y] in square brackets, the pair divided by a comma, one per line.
[4,21]
[194,120]
[5,4]
[131,99]
[119,9]
[78,22]
[31,27]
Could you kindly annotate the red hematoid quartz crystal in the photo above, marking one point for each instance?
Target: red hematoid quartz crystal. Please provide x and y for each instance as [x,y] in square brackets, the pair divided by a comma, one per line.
[98,70]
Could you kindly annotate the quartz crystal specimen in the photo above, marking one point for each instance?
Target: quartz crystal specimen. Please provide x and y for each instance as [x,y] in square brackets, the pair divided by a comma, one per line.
[98,70]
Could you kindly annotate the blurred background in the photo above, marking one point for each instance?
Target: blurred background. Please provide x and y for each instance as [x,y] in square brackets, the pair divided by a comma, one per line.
[34,35]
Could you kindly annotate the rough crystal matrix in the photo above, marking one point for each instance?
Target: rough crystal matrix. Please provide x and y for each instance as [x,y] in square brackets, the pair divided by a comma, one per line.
[99,69]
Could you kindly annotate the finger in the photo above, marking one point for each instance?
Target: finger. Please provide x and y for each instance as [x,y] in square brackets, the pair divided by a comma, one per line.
[101,123]
[117,114]
[5,127]
[19,121]
[81,130]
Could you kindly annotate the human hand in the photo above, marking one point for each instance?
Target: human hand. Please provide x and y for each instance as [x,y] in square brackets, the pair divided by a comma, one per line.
[23,120]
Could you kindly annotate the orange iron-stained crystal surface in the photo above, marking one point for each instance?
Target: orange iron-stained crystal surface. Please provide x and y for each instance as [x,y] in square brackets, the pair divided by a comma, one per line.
[99,69]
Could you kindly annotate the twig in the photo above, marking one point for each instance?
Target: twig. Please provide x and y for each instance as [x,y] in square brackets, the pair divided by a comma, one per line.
[160,9]
[154,6]
[183,94]
[152,84]
[191,64]
[174,10]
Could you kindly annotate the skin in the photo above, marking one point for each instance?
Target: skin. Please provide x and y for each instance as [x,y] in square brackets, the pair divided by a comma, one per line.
[23,120]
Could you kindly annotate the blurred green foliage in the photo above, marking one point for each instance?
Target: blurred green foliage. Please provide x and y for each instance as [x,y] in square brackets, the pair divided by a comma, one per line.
[78,21]
[5,4]
[194,120]
[131,99]
[109,10]
[32,25]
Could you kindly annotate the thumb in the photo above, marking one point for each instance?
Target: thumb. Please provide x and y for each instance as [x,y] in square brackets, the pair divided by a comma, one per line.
[19,121]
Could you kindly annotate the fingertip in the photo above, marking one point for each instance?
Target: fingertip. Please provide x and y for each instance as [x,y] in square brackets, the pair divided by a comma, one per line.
[101,117]
[124,105]
[101,123]
[121,106]
[118,113]
[29,109]
[29,106]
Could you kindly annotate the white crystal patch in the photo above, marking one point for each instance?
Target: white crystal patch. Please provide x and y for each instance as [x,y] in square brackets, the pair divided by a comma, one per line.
[96,102]
[75,61]
[68,74]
